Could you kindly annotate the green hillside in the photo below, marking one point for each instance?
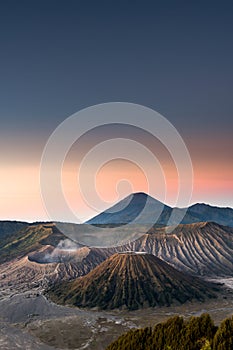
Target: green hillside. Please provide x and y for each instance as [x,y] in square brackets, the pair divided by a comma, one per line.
[28,239]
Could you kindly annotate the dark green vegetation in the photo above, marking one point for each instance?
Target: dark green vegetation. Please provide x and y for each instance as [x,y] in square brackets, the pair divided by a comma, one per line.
[27,239]
[198,333]
[130,208]
[9,228]
[131,281]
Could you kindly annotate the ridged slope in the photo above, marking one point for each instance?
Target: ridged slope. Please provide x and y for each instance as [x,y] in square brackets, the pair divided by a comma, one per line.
[202,248]
[131,281]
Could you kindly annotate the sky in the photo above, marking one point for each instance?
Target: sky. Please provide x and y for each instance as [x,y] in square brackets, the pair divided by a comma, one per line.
[58,57]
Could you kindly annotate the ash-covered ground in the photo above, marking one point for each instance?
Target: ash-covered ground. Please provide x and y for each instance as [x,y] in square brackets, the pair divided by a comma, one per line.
[29,321]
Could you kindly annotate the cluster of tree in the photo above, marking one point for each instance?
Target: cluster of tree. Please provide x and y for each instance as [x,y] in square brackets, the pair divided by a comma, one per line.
[198,333]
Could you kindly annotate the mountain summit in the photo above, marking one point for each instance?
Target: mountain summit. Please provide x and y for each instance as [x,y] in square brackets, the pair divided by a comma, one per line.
[137,207]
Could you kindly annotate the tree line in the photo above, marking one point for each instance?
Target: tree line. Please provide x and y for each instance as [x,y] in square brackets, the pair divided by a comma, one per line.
[197,333]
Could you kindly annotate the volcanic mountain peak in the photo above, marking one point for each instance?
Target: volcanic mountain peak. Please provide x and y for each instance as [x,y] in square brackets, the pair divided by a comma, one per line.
[131,280]
[137,199]
[138,195]
[137,207]
[142,196]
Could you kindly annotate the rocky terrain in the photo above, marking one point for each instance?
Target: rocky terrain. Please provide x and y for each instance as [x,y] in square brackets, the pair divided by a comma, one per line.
[25,274]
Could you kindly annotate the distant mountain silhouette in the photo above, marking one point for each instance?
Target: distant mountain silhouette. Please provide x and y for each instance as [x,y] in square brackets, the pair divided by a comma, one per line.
[131,280]
[130,210]
[205,212]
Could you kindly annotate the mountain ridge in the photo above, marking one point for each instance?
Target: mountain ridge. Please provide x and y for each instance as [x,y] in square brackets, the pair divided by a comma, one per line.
[159,213]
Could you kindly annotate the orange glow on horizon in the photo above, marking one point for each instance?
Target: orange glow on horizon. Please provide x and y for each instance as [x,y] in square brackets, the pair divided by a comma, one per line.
[21,199]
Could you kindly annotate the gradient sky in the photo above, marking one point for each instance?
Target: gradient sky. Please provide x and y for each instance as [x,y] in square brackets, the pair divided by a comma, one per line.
[57,57]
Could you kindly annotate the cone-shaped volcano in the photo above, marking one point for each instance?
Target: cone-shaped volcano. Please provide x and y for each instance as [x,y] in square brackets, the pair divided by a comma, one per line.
[137,207]
[131,280]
